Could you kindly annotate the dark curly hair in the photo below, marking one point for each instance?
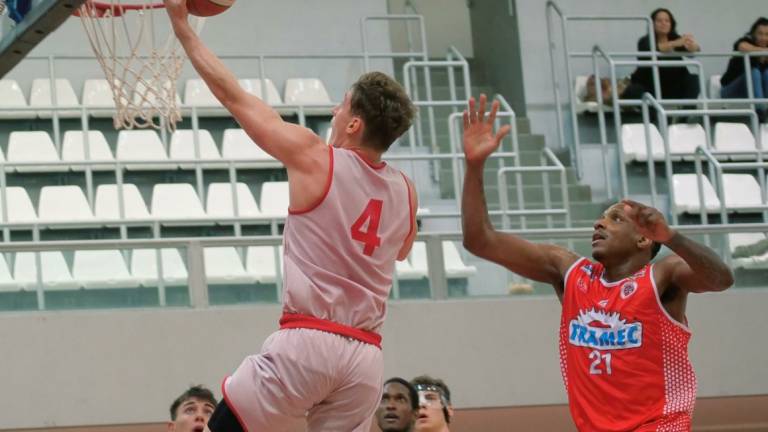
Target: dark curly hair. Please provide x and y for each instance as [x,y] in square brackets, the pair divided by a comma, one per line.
[194,392]
[385,108]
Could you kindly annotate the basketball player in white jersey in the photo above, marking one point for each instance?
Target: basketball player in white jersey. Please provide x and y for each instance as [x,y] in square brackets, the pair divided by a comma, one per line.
[350,217]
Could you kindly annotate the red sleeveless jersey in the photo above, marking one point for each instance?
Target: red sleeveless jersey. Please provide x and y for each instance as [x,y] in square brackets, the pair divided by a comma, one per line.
[624,359]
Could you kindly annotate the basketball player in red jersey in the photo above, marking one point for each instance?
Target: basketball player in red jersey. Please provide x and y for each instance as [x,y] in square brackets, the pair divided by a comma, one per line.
[623,332]
[351,216]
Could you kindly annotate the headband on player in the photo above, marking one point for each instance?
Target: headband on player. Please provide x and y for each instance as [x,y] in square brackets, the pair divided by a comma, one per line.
[423,397]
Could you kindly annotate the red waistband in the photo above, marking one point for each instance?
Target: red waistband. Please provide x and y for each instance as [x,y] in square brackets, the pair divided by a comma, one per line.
[296,321]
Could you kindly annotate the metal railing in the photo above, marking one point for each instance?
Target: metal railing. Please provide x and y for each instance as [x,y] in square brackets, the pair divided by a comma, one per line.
[552,8]
[717,168]
[197,284]
[663,119]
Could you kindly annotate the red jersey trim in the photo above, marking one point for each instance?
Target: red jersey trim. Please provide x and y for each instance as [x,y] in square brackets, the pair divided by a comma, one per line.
[231,406]
[374,165]
[410,206]
[325,194]
[298,321]
[661,305]
[569,271]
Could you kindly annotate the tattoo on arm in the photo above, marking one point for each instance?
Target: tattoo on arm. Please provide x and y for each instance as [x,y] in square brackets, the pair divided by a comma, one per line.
[702,260]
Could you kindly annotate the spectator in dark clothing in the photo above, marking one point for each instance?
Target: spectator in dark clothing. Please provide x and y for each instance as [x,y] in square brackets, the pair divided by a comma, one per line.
[675,82]
[734,81]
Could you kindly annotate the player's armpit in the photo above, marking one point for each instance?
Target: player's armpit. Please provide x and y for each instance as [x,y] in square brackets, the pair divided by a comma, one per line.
[540,262]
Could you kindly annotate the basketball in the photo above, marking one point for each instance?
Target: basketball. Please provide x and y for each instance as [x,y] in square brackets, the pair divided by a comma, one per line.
[206,8]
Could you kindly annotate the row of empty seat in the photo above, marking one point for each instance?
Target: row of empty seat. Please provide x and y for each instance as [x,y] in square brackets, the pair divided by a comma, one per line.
[741,194]
[103,269]
[97,94]
[171,201]
[37,149]
[733,141]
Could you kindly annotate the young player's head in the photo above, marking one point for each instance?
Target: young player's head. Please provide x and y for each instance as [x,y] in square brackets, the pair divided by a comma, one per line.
[435,409]
[191,410]
[398,407]
[374,113]
[615,238]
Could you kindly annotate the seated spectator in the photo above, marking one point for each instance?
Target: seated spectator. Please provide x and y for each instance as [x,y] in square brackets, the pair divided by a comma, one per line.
[191,410]
[734,81]
[675,82]
[398,407]
[435,409]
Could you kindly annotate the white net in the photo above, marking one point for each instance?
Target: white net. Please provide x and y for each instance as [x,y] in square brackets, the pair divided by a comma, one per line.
[140,59]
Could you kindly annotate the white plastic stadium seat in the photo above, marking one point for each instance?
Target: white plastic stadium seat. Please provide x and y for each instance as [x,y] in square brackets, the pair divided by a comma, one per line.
[144,145]
[274,199]
[97,95]
[687,194]
[6,279]
[11,96]
[237,145]
[219,201]
[253,86]
[56,275]
[742,192]
[635,147]
[73,150]
[176,201]
[144,267]
[764,136]
[64,204]
[685,138]
[224,266]
[405,271]
[183,148]
[309,92]
[260,263]
[197,94]
[40,97]
[102,269]
[454,265]
[33,147]
[107,203]
[20,207]
[734,138]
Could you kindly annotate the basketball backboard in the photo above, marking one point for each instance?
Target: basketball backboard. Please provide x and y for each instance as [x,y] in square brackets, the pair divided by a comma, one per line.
[41,19]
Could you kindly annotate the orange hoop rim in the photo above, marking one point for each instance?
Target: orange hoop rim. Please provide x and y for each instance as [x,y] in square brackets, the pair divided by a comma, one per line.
[117,10]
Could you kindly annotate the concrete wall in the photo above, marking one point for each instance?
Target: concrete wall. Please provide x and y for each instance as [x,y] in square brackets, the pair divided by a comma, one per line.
[118,367]
[251,27]
[496,39]
[447,23]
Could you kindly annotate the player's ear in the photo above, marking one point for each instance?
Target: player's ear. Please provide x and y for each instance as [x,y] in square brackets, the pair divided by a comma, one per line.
[355,125]
[644,243]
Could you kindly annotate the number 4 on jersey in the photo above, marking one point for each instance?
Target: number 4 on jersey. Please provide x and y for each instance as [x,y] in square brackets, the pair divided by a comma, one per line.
[369,237]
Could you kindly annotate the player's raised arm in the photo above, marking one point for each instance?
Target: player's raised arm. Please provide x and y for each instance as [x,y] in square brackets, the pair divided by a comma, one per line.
[694,267]
[285,141]
[540,262]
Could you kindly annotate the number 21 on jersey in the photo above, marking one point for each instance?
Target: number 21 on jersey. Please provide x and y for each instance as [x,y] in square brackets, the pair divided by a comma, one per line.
[370,218]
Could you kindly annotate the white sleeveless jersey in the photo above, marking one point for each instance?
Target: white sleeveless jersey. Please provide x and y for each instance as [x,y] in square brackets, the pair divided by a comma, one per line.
[340,253]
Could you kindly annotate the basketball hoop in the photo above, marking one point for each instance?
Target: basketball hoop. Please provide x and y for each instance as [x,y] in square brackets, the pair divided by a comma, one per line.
[141,70]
